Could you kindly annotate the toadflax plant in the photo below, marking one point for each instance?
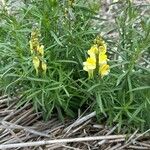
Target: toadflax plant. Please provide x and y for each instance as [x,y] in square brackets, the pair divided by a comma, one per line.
[37,52]
[41,54]
[45,64]
[97,59]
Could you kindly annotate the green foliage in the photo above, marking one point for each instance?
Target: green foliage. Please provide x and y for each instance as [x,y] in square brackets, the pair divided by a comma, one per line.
[124,95]
[67,32]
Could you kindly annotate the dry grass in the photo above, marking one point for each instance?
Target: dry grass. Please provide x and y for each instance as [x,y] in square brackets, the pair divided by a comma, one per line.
[24,129]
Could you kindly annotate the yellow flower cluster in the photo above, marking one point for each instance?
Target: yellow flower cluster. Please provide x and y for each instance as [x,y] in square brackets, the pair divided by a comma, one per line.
[97,59]
[37,51]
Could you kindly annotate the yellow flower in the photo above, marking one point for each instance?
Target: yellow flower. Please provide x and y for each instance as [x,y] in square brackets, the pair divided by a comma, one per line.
[104,70]
[36,63]
[44,67]
[89,66]
[102,59]
[97,59]
[93,51]
[40,50]
[101,44]
[102,49]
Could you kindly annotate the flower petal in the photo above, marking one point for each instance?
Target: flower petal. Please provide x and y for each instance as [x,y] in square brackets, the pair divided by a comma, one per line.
[93,51]
[102,59]
[36,63]
[104,70]
[40,50]
[44,67]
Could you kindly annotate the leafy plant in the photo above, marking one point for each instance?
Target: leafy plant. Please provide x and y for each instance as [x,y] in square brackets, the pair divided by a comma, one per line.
[123,96]
[66,31]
